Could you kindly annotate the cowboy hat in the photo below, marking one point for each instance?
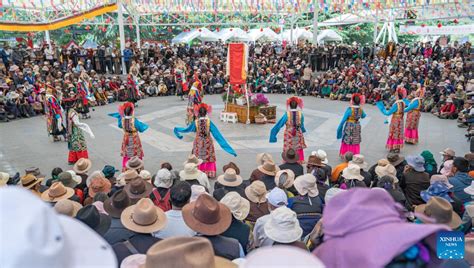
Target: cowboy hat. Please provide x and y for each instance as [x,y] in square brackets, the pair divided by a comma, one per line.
[163,178]
[395,159]
[352,172]
[145,175]
[190,172]
[231,165]
[256,192]
[57,192]
[359,160]
[115,204]
[29,181]
[193,159]
[239,206]
[441,210]
[283,226]
[99,185]
[67,207]
[207,216]
[97,221]
[230,178]
[306,185]
[61,240]
[82,166]
[35,171]
[134,163]
[290,156]
[137,189]
[126,177]
[269,168]
[285,178]
[144,217]
[387,170]
[195,252]
[313,160]
[448,152]
[67,179]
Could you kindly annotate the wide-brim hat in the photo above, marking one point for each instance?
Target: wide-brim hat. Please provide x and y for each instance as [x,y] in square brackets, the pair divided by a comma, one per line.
[137,189]
[91,216]
[387,170]
[437,203]
[352,172]
[314,160]
[306,185]
[359,160]
[99,185]
[115,204]
[67,207]
[35,171]
[29,181]
[262,157]
[256,192]
[395,159]
[283,226]
[193,159]
[144,217]
[290,178]
[57,192]
[134,163]
[75,177]
[190,172]
[82,166]
[416,162]
[230,178]
[207,216]
[269,168]
[239,206]
[290,156]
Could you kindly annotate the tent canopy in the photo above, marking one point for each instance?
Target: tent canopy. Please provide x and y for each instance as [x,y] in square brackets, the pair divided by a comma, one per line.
[329,36]
[263,34]
[298,34]
[233,34]
[202,34]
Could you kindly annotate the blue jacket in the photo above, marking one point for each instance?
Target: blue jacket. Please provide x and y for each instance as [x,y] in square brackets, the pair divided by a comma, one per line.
[460,181]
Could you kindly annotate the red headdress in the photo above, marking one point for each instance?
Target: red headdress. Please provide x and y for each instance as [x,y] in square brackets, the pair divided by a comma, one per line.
[298,100]
[125,106]
[361,98]
[202,105]
[402,91]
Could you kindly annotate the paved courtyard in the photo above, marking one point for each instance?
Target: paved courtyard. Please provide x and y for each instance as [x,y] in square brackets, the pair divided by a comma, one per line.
[24,143]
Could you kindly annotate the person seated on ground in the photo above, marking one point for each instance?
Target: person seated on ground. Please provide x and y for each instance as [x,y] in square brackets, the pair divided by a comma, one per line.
[269,170]
[291,161]
[398,162]
[230,181]
[448,110]
[461,179]
[256,193]
[283,228]
[336,172]
[180,195]
[441,189]
[351,177]
[240,208]
[256,173]
[438,210]
[414,180]
[284,180]
[388,183]
[114,206]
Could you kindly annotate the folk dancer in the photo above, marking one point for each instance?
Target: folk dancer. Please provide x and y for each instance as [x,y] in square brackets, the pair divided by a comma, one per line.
[413,116]
[203,146]
[180,79]
[133,94]
[84,88]
[293,119]
[54,115]
[194,99]
[75,131]
[395,138]
[131,144]
[349,129]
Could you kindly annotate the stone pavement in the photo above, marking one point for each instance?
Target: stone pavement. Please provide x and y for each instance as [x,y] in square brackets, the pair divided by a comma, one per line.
[24,143]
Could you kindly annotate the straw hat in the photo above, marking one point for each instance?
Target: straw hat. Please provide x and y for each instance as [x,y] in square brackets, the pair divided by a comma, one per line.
[256,192]
[190,172]
[387,170]
[306,185]
[230,178]
[29,181]
[352,172]
[193,159]
[359,160]
[67,207]
[57,192]
[134,163]
[283,226]
[144,217]
[269,168]
[126,177]
[285,178]
[82,166]
[262,157]
[195,252]
[440,210]
[239,206]
[207,216]
[138,189]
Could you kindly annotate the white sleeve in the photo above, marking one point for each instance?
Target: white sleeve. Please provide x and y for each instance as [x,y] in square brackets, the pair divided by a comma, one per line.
[85,127]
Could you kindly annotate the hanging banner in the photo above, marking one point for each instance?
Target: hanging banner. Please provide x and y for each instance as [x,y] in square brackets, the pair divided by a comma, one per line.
[435,30]
[237,62]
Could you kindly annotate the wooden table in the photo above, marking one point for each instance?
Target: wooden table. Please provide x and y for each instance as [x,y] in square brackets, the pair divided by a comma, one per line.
[241,111]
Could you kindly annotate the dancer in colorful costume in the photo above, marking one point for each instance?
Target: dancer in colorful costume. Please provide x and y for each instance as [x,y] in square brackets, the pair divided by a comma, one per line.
[131,144]
[54,115]
[194,99]
[413,116]
[180,79]
[203,146]
[397,111]
[349,129]
[76,141]
[293,119]
[84,88]
[133,93]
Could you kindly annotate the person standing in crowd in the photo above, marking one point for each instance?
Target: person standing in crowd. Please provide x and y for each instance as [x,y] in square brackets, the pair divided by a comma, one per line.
[203,146]
[349,129]
[294,121]
[131,144]
[54,115]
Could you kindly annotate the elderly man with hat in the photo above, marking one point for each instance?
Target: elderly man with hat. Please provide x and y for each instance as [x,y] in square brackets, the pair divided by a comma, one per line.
[414,180]
[269,169]
[275,198]
[228,182]
[291,161]
[180,194]
[143,219]
[210,219]
[114,206]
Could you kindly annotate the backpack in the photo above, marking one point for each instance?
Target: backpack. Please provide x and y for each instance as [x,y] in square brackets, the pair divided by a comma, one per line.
[163,203]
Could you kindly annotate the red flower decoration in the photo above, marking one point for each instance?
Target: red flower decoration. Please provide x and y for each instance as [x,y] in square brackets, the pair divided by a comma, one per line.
[153,29]
[357,28]
[423,25]
[456,21]
[261,29]
[440,25]
[231,29]
[88,27]
[218,29]
[200,30]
